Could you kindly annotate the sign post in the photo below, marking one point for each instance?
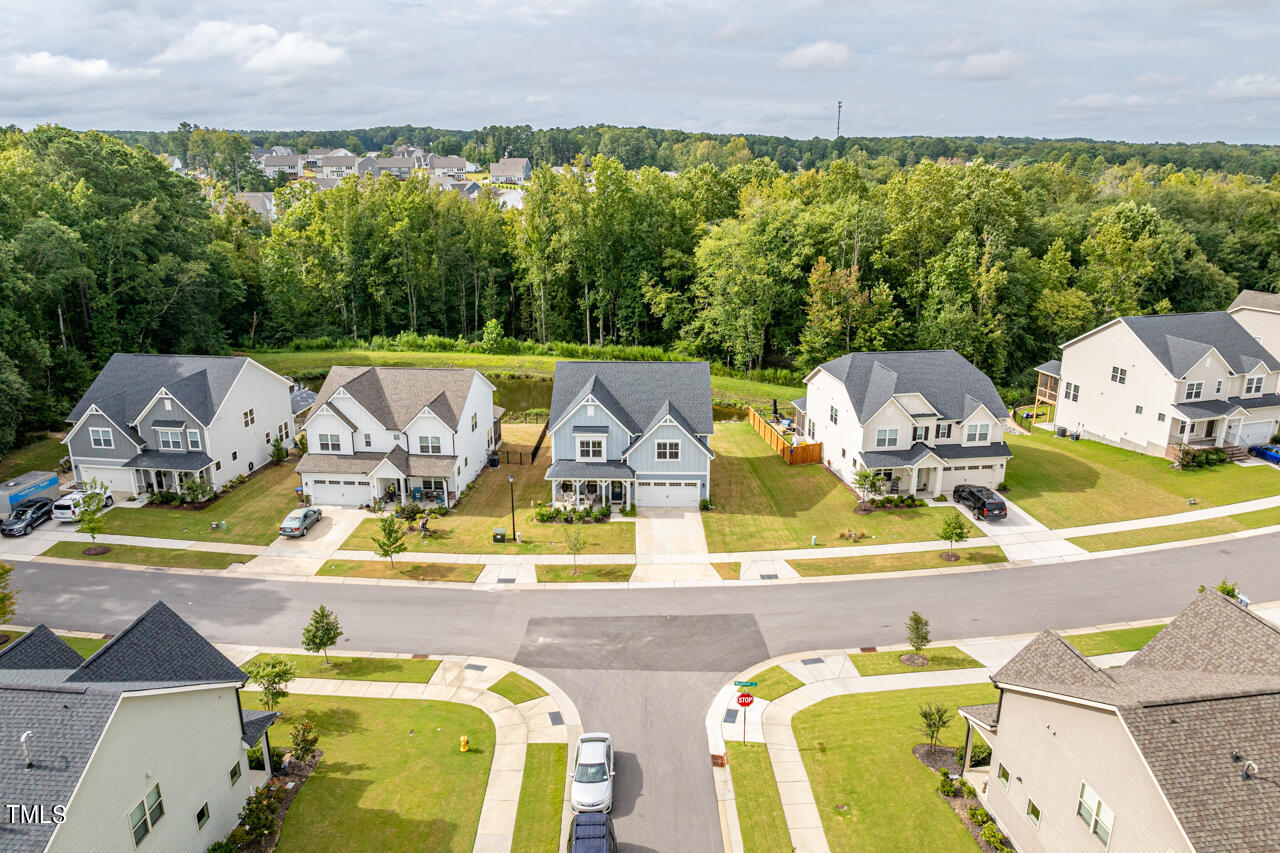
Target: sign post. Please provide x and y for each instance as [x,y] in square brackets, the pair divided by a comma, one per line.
[744,701]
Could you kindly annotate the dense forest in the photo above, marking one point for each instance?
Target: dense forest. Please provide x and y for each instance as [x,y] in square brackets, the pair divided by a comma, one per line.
[745,263]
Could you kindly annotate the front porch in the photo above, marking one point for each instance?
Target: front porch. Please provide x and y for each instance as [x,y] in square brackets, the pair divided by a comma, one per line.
[424,491]
[916,481]
[592,494]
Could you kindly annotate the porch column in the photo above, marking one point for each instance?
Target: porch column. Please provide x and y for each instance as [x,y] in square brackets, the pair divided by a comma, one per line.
[1222,429]
[266,754]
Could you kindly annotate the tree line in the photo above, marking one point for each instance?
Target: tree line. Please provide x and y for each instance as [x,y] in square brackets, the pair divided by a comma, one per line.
[749,265]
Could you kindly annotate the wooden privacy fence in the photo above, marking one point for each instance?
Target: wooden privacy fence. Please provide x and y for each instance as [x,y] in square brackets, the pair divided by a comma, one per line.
[805,454]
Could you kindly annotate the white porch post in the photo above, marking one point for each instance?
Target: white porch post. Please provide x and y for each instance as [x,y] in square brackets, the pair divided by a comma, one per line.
[1222,429]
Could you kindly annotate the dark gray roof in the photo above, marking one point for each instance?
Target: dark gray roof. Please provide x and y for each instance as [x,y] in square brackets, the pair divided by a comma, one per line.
[170,460]
[1053,367]
[301,400]
[584,429]
[1265,401]
[395,395]
[338,463]
[67,708]
[908,456]
[953,386]
[421,464]
[1205,686]
[169,424]
[256,723]
[801,403]
[569,469]
[1179,341]
[1197,409]
[994,450]
[635,392]
[129,381]
[1256,299]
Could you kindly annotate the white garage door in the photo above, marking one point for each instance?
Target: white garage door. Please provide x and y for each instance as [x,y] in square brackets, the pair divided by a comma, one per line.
[666,493]
[977,475]
[340,492]
[1256,432]
[116,479]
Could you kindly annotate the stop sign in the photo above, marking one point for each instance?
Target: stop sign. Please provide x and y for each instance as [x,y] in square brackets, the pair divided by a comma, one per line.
[745,699]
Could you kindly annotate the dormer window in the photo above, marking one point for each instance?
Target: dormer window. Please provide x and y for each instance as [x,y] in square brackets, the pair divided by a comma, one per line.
[168,406]
[591,410]
[977,433]
[590,448]
[1253,385]
[920,433]
[170,439]
[429,444]
[942,431]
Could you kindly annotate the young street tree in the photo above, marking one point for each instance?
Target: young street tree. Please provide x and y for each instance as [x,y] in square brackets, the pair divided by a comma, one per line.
[575,542]
[91,520]
[917,631]
[953,530]
[322,632]
[271,676]
[933,719]
[391,540]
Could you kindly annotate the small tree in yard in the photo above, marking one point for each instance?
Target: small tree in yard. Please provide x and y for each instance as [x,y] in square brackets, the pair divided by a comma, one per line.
[576,542]
[953,530]
[322,632]
[279,452]
[933,719]
[271,676]
[8,597]
[301,440]
[391,540]
[1228,588]
[304,738]
[917,631]
[91,509]
[869,485]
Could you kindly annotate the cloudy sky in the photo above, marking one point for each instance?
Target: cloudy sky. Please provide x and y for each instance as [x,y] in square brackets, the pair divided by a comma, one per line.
[1164,70]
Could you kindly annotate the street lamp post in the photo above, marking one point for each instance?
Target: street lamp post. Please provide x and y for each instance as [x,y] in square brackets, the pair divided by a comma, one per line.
[511,481]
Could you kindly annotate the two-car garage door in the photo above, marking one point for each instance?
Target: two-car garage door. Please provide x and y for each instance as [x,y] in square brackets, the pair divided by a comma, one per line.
[116,479]
[340,492]
[666,493]
[1256,432]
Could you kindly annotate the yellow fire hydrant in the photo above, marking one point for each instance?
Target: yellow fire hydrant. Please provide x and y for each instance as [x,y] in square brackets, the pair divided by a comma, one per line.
[462,743]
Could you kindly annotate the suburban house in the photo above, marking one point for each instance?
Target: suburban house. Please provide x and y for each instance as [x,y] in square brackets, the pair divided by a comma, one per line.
[510,170]
[401,167]
[149,422]
[398,433]
[441,166]
[1154,382]
[1173,751]
[341,165]
[142,746]
[630,433]
[314,156]
[925,420]
[289,164]
[261,203]
[1259,313]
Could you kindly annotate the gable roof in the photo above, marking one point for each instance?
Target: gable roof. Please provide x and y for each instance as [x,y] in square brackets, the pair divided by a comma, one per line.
[1179,341]
[1206,686]
[39,648]
[395,395]
[129,381]
[1256,299]
[637,393]
[953,386]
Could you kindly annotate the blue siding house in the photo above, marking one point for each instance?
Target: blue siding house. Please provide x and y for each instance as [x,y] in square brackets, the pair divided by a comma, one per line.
[630,433]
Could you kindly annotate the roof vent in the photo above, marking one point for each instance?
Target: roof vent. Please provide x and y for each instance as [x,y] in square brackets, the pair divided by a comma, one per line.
[26,753]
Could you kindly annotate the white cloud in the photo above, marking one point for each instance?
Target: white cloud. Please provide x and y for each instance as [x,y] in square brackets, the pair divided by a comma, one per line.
[294,51]
[259,47]
[45,64]
[960,47]
[1105,101]
[1157,80]
[997,65]
[739,31]
[821,55]
[1250,87]
[538,99]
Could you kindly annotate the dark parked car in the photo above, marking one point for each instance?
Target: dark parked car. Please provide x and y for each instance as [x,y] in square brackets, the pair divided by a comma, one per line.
[985,503]
[1269,452]
[592,832]
[26,516]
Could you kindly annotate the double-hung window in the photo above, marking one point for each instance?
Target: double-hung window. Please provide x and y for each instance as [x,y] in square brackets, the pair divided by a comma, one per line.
[810,429]
[146,815]
[101,437]
[1253,385]
[590,448]
[1095,815]
[1002,773]
[920,433]
[1119,375]
[170,439]
[474,422]
[329,442]
[1195,390]
[368,439]
[193,439]
[667,450]
[887,437]
[834,415]
[429,444]
[977,433]
[248,418]
[1071,391]
[942,431]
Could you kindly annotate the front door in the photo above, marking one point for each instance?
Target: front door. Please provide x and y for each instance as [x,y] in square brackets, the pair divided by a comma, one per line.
[616,492]
[1209,428]
[923,477]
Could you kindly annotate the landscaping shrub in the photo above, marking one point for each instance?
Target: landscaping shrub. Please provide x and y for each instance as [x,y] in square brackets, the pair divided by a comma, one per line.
[946,785]
[602,514]
[255,758]
[258,818]
[629,512]
[301,440]
[704,504]
[223,846]
[979,755]
[304,738]
[1003,487]
[979,816]
[164,496]
[546,514]
[963,788]
[409,511]
[992,835]
[1190,458]
[196,490]
[941,499]
[279,452]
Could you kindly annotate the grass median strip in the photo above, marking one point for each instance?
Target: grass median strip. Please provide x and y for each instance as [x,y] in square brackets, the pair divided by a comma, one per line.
[515,688]
[897,562]
[764,826]
[772,683]
[1178,532]
[410,670]
[887,663]
[613,573]
[728,571]
[1111,642]
[180,558]
[541,798]
[455,572]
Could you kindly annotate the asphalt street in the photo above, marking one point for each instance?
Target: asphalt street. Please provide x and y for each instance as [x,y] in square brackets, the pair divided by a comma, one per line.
[645,663]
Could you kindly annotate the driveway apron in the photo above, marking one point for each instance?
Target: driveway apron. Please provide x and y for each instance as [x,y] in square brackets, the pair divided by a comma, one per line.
[668,542]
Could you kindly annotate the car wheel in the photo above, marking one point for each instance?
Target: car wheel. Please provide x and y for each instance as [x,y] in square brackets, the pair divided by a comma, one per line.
[26,531]
[975,515]
[110,500]
[303,531]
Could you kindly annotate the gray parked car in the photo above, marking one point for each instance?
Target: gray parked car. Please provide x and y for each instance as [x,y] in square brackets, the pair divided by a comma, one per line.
[592,789]
[27,515]
[298,522]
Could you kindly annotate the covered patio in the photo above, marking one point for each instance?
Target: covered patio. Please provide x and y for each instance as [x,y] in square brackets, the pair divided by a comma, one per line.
[166,471]
[588,485]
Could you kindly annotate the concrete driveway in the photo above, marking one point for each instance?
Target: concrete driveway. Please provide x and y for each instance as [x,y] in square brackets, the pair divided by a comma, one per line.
[326,536]
[1022,537]
[666,538]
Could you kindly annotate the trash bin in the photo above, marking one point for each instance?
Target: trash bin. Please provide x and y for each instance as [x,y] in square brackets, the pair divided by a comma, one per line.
[499,534]
[493,460]
[1062,432]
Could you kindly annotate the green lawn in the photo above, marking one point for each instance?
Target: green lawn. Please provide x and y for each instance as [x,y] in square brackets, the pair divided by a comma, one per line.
[1110,642]
[897,562]
[772,683]
[42,454]
[143,556]
[1073,483]
[84,645]
[612,573]
[728,571]
[392,777]
[541,798]
[469,528]
[762,503]
[516,689]
[857,751]
[252,512]
[764,826]
[887,663]
[410,670]
[404,570]
[1178,532]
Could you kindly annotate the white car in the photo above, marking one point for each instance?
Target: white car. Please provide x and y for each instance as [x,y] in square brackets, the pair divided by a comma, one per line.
[67,507]
[592,788]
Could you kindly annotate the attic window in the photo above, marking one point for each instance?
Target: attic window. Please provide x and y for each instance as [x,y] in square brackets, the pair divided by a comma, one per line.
[168,406]
[591,410]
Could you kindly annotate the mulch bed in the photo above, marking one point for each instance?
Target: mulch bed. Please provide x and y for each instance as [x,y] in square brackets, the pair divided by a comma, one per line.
[298,773]
[945,759]
[96,551]
[942,758]
[913,659]
[949,556]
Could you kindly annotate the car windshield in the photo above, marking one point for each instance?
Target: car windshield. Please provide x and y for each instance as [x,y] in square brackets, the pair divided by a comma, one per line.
[21,513]
[293,518]
[591,773]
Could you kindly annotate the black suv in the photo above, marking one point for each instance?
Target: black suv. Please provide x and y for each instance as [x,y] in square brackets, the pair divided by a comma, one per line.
[592,832]
[27,515]
[985,503]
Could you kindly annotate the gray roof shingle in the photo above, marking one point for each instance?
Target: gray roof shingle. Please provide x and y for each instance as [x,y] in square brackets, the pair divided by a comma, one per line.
[256,723]
[39,648]
[1179,341]
[635,392]
[128,382]
[395,395]
[952,385]
[569,469]
[1256,299]
[1052,367]
[170,460]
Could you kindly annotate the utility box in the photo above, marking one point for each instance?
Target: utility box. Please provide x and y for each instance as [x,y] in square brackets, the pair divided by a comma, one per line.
[33,484]
[499,534]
